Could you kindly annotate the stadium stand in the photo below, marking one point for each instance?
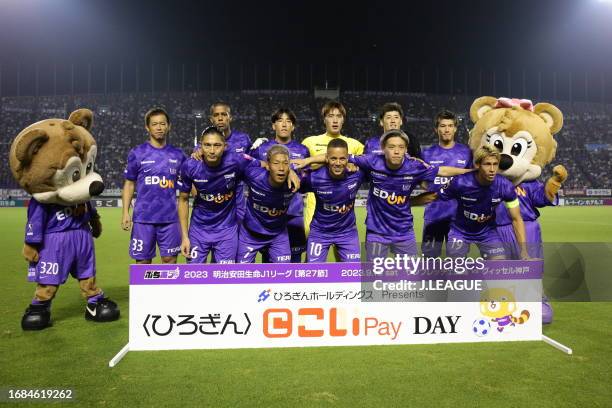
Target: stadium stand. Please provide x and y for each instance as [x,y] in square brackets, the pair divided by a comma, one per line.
[585,141]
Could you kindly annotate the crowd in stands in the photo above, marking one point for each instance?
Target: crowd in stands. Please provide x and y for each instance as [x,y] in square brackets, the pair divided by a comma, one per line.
[119,126]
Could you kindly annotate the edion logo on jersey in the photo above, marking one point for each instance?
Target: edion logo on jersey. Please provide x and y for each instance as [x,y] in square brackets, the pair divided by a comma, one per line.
[272,212]
[217,198]
[476,217]
[163,182]
[342,209]
[391,198]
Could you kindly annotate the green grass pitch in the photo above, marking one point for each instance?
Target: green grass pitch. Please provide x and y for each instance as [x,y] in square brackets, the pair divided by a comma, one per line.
[74,353]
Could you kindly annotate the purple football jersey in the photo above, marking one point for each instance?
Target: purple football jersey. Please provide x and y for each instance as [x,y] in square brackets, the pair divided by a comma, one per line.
[47,218]
[389,196]
[155,172]
[214,208]
[460,156]
[296,151]
[531,196]
[335,200]
[266,207]
[476,203]
[372,145]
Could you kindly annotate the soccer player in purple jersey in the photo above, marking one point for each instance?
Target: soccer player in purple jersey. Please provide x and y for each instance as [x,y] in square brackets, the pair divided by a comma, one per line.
[393,175]
[447,152]
[237,142]
[265,221]
[283,123]
[214,225]
[477,195]
[333,222]
[391,117]
[151,171]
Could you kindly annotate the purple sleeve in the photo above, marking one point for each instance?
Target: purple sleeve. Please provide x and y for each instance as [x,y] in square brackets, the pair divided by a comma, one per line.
[184,181]
[427,173]
[132,167]
[508,191]
[245,161]
[35,227]
[449,191]
[538,196]
[363,161]
[255,152]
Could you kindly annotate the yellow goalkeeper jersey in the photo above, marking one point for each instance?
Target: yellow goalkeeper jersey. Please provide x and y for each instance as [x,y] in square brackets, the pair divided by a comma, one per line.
[318,145]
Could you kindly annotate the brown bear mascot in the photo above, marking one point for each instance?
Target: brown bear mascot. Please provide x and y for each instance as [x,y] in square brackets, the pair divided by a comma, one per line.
[54,161]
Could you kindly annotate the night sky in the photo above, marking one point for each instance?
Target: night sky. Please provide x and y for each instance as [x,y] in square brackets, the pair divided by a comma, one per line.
[532,35]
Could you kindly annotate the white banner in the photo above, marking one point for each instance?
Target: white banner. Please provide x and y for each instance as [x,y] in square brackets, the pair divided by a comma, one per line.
[299,305]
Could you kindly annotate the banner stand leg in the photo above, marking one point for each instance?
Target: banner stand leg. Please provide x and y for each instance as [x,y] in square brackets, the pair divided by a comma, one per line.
[557,345]
[115,360]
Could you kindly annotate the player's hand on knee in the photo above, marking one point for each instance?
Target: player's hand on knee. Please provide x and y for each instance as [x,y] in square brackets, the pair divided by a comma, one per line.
[258,142]
[559,173]
[186,248]
[30,253]
[126,222]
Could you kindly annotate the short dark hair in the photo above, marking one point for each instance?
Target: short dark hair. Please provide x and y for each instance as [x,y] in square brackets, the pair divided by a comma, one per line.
[331,105]
[390,107]
[211,130]
[156,111]
[283,111]
[445,114]
[214,105]
[337,142]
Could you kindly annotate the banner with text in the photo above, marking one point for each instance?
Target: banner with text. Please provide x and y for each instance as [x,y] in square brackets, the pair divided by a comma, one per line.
[297,305]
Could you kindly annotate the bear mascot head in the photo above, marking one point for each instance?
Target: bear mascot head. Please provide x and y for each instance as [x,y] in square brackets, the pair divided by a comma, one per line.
[54,160]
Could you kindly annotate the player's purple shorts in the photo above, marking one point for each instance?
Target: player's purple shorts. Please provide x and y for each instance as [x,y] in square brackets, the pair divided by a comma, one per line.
[378,246]
[223,245]
[434,234]
[249,243]
[62,253]
[347,245]
[533,235]
[146,236]
[490,245]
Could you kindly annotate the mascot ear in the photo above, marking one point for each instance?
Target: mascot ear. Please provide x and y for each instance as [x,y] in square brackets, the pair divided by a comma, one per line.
[551,115]
[481,106]
[29,144]
[82,117]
